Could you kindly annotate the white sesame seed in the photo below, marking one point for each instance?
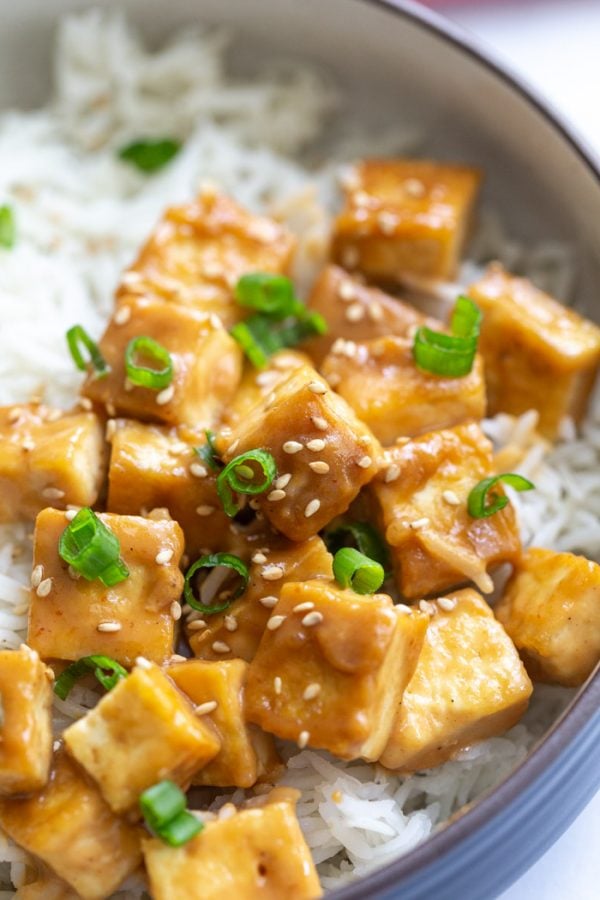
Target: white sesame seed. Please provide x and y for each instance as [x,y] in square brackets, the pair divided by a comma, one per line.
[446,603]
[312,507]
[387,222]
[304,607]
[233,447]
[312,618]
[277,685]
[164,556]
[177,658]
[166,395]
[316,387]
[319,466]
[346,291]
[196,625]
[451,498]
[275,622]
[274,496]
[56,746]
[319,422]
[221,647]
[292,447]
[28,444]
[175,610]
[198,470]
[419,523]
[203,708]
[269,601]
[128,385]
[303,739]
[365,462]
[355,313]
[338,346]
[282,481]
[316,445]
[312,691]
[426,607]
[403,608]
[143,663]
[231,623]
[392,473]
[36,576]
[272,573]
[44,587]
[122,315]
[375,311]
[73,573]
[111,427]
[52,493]
[259,557]
[414,187]
[205,510]
[108,627]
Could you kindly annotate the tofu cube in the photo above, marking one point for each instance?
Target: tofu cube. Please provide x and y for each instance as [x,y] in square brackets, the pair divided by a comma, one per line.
[26,730]
[390,394]
[221,685]
[143,731]
[551,610]
[68,616]
[198,251]
[46,887]
[207,365]
[538,354]
[354,310]
[315,438]
[405,217]
[259,852]
[256,386]
[469,685]
[69,827]
[236,633]
[332,671]
[420,499]
[47,455]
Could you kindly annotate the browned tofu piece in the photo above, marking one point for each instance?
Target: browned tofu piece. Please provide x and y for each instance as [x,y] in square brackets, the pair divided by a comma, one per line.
[538,353]
[256,386]
[237,632]
[68,616]
[142,732]
[318,442]
[26,730]
[405,217]
[46,887]
[70,828]
[331,668]
[259,853]
[469,685]
[420,499]
[198,251]
[48,456]
[390,394]
[207,365]
[551,610]
[218,688]
[354,310]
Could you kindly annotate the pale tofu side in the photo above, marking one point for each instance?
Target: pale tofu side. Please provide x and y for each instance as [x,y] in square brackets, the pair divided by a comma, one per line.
[420,500]
[69,827]
[237,631]
[469,685]
[142,732]
[198,251]
[331,670]
[257,385]
[258,852]
[26,730]
[390,394]
[551,610]
[207,365]
[538,353]
[48,456]
[405,217]
[316,439]
[68,615]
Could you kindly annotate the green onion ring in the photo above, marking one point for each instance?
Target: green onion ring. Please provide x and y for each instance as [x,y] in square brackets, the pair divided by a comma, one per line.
[365,538]
[210,562]
[266,293]
[164,809]
[231,478]
[100,665]
[78,335]
[92,549]
[144,376]
[354,570]
[466,318]
[480,505]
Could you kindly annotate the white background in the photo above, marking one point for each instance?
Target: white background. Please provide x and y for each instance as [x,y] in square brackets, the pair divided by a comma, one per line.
[556,45]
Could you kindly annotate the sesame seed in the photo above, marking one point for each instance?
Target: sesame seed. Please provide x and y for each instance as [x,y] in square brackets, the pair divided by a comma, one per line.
[143,663]
[111,427]
[203,708]
[446,603]
[175,610]
[277,685]
[164,556]
[198,470]
[28,444]
[312,618]
[231,623]
[292,447]
[276,495]
[272,572]
[312,691]
[36,576]
[387,222]
[177,658]
[319,422]
[128,385]
[303,739]
[375,311]
[44,587]
[365,462]
[319,466]
[56,746]
[403,608]
[312,507]
[233,447]
[196,625]
[269,601]
[316,445]
[52,493]
[221,647]
[122,315]
[419,523]
[73,573]
[392,473]
[355,312]
[108,627]
[346,291]
[426,607]
[414,187]
[166,395]
[259,557]
[451,498]
[316,387]
[275,622]
[205,510]
[304,607]
[253,504]
[282,481]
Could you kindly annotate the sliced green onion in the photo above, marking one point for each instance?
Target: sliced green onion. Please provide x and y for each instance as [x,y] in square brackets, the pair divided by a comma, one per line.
[8,230]
[240,477]
[107,671]
[483,501]
[210,562]
[261,335]
[270,294]
[355,570]
[76,336]
[208,452]
[150,155]
[154,378]
[92,549]
[451,355]
[362,536]
[164,809]
[466,318]
[181,829]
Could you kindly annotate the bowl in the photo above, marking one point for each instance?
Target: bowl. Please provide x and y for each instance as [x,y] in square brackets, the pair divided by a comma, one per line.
[543,181]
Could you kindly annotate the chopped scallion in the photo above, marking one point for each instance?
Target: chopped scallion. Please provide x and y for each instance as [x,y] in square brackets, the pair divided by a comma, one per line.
[92,549]
[76,336]
[354,570]
[208,452]
[211,562]
[8,231]
[362,536]
[270,294]
[164,809]
[107,671]
[240,476]
[155,378]
[450,355]
[150,155]
[483,501]
[261,335]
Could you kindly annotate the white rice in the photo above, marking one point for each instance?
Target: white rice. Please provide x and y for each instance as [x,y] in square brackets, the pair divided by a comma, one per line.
[81,214]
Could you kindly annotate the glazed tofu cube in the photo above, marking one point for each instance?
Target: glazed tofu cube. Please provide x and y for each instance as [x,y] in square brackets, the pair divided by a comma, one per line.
[207,365]
[143,731]
[316,439]
[237,632]
[331,668]
[354,310]
[405,217]
[538,354]
[218,688]
[420,499]
[71,617]
[390,394]
[198,251]
[551,610]
[256,386]
[259,852]
[469,685]
[48,456]
[26,730]
[69,827]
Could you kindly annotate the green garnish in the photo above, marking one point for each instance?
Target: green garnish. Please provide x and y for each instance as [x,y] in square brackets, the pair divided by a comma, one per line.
[107,671]
[362,536]
[145,376]
[241,474]
[270,294]
[481,503]
[76,336]
[8,230]
[92,549]
[208,452]
[164,809]
[210,562]
[150,155]
[352,569]
[450,355]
